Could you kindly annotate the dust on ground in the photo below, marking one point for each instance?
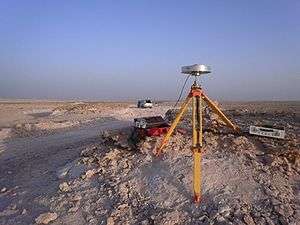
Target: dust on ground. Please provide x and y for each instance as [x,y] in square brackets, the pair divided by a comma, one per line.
[87,172]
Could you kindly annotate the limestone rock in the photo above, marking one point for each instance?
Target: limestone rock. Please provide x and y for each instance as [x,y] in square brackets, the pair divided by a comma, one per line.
[90,173]
[46,218]
[240,140]
[64,187]
[110,221]
[88,151]
[249,220]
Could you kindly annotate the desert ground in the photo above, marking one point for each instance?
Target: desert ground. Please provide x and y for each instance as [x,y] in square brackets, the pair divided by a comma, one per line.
[72,163]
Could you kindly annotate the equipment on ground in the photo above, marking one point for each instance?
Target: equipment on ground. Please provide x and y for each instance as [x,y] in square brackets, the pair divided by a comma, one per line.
[147,103]
[197,96]
[150,122]
[151,126]
[267,132]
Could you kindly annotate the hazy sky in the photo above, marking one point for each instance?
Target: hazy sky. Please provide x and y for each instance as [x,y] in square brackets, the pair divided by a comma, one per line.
[111,50]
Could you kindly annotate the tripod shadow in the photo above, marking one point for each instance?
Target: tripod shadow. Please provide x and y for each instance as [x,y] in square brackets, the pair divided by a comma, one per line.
[159,171]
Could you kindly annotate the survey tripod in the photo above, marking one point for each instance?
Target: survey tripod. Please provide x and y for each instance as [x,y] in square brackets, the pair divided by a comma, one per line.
[197,96]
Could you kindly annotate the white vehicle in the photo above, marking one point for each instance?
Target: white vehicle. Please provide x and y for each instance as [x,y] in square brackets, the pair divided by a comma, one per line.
[145,103]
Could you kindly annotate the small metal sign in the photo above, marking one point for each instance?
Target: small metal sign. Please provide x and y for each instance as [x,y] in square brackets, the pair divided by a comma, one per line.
[267,132]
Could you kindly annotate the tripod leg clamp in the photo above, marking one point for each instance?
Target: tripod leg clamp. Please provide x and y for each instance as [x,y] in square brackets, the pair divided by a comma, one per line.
[197,148]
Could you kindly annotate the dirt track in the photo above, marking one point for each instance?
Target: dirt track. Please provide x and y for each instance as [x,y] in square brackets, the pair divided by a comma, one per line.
[29,165]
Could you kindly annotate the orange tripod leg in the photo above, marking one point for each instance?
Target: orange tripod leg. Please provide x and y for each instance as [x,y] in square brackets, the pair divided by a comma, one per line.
[219,113]
[174,124]
[194,123]
[197,175]
[197,146]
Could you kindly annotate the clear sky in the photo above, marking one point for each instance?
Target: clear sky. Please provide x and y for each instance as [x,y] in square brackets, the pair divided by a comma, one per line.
[118,50]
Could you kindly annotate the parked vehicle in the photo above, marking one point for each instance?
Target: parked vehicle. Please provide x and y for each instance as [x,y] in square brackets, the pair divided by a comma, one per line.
[145,103]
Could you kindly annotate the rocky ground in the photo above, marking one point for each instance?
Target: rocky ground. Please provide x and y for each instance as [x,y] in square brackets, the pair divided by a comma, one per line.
[96,176]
